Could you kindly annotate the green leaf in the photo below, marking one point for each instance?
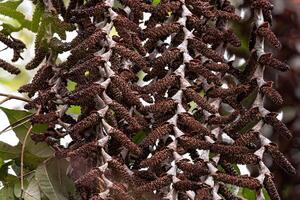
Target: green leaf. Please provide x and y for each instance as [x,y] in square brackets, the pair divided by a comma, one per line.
[7,193]
[138,137]
[71,85]
[13,13]
[36,17]
[11,4]
[247,193]
[75,110]
[32,192]
[8,152]
[40,149]
[52,179]
[266,195]
[155,2]
[31,189]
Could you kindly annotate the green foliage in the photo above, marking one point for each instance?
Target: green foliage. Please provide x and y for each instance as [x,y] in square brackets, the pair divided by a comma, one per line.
[52,179]
[45,176]
[139,137]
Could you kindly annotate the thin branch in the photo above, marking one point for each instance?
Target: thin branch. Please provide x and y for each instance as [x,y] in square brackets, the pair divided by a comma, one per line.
[9,96]
[22,161]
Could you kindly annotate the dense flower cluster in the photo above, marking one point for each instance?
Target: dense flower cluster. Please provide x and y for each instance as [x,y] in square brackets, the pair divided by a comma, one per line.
[168,73]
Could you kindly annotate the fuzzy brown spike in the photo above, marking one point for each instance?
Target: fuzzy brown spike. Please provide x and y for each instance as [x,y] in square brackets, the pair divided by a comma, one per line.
[280,159]
[213,119]
[156,184]
[157,158]
[279,126]
[271,187]
[270,61]
[156,134]
[192,124]
[122,112]
[125,141]
[162,31]
[265,32]
[192,95]
[9,67]
[200,46]
[192,143]
[271,93]
[133,56]
[241,181]
[249,116]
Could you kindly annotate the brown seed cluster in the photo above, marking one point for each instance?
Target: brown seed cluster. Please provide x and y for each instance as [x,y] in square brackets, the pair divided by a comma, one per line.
[168,79]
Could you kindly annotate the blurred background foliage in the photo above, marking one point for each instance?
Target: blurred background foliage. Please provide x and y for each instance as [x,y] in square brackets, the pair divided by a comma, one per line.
[45,176]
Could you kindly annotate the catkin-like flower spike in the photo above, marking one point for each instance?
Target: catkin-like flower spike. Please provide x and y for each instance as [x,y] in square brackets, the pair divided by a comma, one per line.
[157,158]
[223,93]
[89,43]
[262,4]
[162,31]
[122,138]
[156,134]
[229,168]
[185,185]
[161,107]
[226,193]
[160,86]
[213,119]
[39,56]
[227,15]
[132,56]
[247,138]
[271,93]
[192,143]
[89,65]
[232,38]
[39,81]
[83,150]
[271,187]
[278,126]
[59,46]
[44,118]
[130,96]
[268,60]
[202,8]
[200,101]
[219,67]
[88,178]
[199,168]
[9,67]
[241,181]
[155,185]
[119,193]
[122,23]
[91,120]
[120,169]
[280,159]
[137,44]
[202,48]
[265,31]
[204,194]
[122,112]
[84,95]
[42,100]
[192,124]
[195,66]
[96,10]
[245,159]
[249,116]
[167,57]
